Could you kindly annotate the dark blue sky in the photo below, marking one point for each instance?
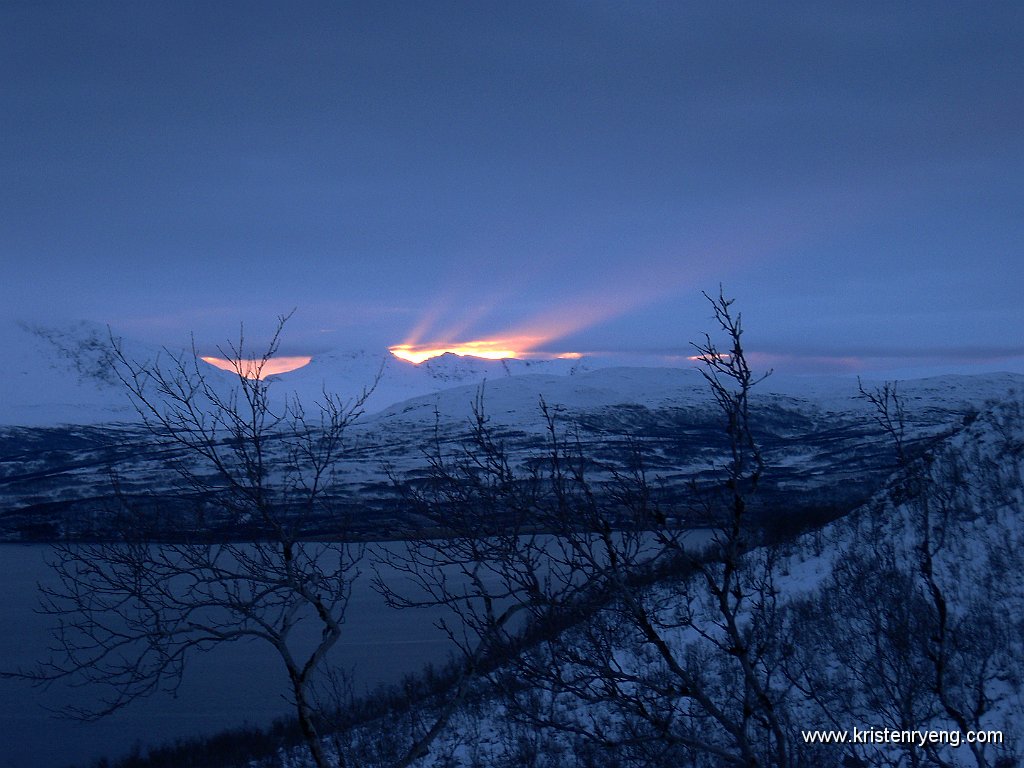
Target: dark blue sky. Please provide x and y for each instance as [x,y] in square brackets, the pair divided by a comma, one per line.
[580,171]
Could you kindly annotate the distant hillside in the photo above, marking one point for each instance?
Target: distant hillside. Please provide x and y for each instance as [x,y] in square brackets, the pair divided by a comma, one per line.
[63,374]
[69,427]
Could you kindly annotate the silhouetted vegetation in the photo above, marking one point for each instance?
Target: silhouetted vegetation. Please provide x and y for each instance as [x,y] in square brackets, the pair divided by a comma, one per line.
[581,608]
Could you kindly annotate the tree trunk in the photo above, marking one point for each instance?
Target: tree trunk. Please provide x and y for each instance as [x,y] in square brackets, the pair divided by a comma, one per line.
[309,732]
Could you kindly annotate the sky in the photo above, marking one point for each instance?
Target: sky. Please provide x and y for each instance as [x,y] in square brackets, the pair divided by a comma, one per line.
[573,174]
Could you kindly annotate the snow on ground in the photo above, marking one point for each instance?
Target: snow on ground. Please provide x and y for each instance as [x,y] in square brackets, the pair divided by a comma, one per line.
[974,517]
[62,375]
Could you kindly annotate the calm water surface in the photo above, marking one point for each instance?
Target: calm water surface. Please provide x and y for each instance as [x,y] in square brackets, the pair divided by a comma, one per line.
[226,687]
[223,688]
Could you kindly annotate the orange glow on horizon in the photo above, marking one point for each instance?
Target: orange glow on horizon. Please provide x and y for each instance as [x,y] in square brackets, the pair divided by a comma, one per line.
[504,348]
[527,339]
[272,367]
[489,349]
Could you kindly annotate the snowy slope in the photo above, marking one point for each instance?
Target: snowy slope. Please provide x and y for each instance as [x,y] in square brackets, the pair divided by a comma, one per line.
[848,653]
[58,375]
[65,422]
[64,375]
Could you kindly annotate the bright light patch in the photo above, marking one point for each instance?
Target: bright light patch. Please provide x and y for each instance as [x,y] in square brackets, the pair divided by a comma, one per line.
[271,367]
[493,349]
[530,339]
[520,348]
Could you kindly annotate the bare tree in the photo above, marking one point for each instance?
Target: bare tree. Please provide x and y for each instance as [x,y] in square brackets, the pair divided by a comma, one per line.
[131,612]
[912,628]
[961,642]
[550,568]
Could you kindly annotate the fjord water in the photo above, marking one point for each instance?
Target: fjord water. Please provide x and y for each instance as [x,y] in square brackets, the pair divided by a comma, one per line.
[227,687]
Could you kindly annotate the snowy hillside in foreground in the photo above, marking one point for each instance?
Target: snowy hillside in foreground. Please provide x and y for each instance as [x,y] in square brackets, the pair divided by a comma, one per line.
[817,435]
[858,633]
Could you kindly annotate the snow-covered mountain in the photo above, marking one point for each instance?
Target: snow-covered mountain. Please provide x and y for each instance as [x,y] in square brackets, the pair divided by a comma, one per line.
[58,375]
[65,375]
[66,424]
